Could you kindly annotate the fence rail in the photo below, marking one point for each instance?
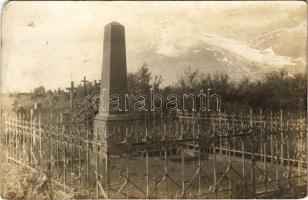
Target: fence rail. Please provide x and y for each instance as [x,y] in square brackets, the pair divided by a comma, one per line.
[214,156]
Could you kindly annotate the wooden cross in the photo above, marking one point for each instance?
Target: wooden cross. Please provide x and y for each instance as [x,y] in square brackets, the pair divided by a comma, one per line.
[84,81]
[71,90]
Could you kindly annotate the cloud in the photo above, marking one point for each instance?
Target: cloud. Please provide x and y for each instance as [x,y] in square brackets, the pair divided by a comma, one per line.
[262,57]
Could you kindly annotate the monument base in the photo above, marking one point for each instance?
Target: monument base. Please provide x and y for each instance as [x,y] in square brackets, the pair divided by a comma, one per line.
[112,132]
[113,117]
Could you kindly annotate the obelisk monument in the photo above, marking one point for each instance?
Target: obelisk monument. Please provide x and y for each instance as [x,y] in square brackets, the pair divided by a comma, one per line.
[111,123]
[114,73]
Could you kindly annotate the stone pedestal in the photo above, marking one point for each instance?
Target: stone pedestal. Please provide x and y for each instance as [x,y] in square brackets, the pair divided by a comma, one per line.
[111,132]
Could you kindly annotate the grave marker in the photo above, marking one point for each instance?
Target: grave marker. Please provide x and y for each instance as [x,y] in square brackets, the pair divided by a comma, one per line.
[113,81]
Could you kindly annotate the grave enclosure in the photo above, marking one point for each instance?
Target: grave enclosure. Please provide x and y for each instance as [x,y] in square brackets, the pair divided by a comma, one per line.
[257,154]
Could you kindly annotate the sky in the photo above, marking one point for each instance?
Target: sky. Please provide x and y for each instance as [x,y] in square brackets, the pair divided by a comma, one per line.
[52,43]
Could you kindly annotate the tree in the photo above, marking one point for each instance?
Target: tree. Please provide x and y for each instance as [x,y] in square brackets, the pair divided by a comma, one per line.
[189,80]
[156,84]
[143,79]
[139,82]
[38,92]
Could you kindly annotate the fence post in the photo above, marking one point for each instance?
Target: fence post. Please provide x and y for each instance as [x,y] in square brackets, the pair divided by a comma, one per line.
[97,168]
[277,160]
[40,140]
[214,159]
[193,136]
[243,156]
[22,141]
[264,152]
[233,132]
[147,163]
[282,140]
[79,160]
[261,132]
[229,157]
[72,147]
[182,163]
[252,157]
[64,164]
[58,146]
[220,140]
[51,153]
[127,178]
[299,164]
[107,166]
[199,162]
[288,148]
[88,163]
[16,137]
[271,139]
[6,134]
[166,165]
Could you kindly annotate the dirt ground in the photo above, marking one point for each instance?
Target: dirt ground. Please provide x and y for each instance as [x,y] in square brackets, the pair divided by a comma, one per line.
[21,183]
[228,176]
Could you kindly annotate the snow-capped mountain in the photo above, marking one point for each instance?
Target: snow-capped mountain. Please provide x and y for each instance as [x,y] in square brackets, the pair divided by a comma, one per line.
[212,54]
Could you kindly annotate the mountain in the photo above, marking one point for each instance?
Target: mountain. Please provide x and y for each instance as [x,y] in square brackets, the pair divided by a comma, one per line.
[216,54]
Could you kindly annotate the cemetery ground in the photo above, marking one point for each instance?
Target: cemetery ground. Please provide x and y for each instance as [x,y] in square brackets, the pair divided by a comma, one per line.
[21,182]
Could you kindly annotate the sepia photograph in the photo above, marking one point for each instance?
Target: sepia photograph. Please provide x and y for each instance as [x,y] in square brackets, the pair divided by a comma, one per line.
[153,100]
